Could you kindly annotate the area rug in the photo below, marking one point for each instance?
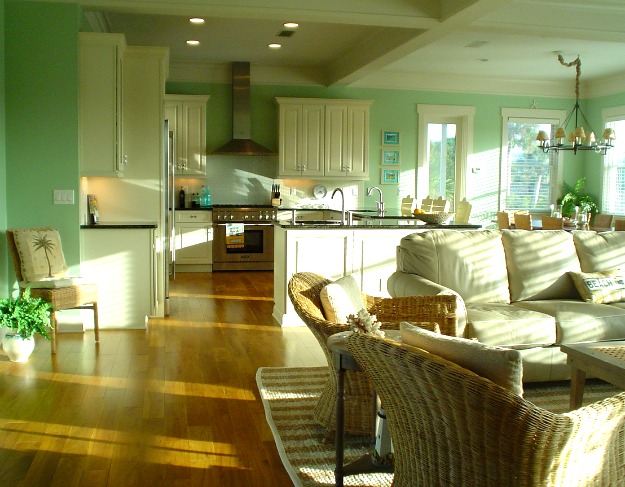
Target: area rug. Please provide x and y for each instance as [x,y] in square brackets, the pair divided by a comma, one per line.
[290,394]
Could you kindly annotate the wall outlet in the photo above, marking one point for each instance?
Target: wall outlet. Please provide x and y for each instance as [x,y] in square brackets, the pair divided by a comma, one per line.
[63,196]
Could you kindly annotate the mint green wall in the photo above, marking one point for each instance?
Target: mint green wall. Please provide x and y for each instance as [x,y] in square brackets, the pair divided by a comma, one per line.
[4,262]
[41,95]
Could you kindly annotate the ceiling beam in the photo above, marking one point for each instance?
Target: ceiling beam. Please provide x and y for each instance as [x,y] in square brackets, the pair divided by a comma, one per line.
[349,68]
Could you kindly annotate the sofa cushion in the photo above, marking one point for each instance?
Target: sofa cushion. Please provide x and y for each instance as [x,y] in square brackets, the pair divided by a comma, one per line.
[471,263]
[600,251]
[539,263]
[40,252]
[600,287]
[341,299]
[579,321]
[500,365]
[506,324]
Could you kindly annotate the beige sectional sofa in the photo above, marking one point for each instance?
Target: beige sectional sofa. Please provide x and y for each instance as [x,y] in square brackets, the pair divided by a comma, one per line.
[521,288]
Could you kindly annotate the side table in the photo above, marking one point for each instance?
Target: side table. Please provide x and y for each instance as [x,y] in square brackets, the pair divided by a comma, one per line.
[342,360]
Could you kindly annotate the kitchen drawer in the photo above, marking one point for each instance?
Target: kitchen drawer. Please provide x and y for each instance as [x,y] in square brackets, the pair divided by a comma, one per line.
[190,216]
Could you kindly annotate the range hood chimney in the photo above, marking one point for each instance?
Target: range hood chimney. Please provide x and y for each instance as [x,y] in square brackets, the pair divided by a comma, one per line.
[241,143]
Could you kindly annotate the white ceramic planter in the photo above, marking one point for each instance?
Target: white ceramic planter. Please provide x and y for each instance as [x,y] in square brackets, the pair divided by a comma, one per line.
[17,348]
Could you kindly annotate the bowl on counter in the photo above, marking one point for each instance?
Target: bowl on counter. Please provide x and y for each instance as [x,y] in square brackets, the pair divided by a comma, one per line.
[433,218]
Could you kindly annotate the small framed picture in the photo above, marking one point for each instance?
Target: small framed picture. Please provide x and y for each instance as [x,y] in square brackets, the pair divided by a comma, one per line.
[390,137]
[390,176]
[390,158]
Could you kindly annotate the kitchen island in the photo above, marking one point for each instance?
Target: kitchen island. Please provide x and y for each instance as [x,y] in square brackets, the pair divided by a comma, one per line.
[366,249]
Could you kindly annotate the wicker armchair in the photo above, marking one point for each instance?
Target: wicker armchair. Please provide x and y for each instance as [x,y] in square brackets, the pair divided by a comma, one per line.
[79,296]
[304,291]
[454,428]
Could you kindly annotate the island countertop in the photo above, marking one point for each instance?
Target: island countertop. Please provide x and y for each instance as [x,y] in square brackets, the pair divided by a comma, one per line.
[119,225]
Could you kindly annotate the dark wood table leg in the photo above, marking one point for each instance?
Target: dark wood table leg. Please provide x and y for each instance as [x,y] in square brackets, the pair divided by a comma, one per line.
[578,382]
[340,426]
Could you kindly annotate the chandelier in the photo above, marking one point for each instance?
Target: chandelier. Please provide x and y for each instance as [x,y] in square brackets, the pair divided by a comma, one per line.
[579,139]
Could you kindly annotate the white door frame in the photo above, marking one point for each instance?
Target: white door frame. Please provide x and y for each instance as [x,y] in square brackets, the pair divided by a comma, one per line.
[462,117]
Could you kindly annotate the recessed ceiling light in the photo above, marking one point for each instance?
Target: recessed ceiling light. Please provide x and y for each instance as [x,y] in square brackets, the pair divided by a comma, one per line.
[291,25]
[275,46]
[196,20]
[192,42]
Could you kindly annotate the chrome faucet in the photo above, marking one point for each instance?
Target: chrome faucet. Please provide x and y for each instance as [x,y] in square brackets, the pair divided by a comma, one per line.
[339,190]
[380,203]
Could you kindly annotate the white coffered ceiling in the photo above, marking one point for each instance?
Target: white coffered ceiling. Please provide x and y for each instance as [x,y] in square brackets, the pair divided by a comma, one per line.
[415,44]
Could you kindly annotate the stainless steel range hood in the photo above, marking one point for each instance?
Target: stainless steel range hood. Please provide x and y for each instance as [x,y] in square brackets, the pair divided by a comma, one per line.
[241,143]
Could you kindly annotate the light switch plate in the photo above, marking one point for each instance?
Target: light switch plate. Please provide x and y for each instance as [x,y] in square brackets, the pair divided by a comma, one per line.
[63,196]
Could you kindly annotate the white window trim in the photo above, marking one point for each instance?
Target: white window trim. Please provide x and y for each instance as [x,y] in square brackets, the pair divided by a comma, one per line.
[609,114]
[516,115]
[463,117]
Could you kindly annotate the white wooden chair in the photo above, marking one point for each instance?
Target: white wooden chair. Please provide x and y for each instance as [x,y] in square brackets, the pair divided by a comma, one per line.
[463,211]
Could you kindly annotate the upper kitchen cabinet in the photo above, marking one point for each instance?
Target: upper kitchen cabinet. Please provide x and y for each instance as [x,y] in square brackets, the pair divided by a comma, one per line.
[323,138]
[101,63]
[187,120]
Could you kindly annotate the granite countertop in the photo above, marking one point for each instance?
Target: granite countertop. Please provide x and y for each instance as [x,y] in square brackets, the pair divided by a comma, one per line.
[120,225]
[373,224]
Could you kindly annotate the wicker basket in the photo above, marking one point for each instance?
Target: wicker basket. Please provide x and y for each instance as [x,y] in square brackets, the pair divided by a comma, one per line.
[434,218]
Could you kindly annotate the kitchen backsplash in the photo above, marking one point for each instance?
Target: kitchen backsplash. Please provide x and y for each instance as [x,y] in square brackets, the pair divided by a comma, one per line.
[248,180]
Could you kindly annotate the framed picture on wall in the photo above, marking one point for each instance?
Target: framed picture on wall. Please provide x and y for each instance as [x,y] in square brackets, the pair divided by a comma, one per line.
[390,137]
[390,176]
[390,157]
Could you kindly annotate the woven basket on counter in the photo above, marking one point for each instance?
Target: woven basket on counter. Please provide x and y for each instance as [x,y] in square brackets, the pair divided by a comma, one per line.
[435,218]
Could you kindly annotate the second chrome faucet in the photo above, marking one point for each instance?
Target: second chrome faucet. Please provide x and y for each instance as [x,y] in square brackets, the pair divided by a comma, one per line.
[380,203]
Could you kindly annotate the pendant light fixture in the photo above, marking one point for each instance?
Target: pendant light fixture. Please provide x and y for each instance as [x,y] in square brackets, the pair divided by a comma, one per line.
[580,138]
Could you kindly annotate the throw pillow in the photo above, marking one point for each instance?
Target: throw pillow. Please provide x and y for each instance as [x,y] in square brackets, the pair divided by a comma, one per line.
[600,287]
[502,366]
[40,252]
[341,299]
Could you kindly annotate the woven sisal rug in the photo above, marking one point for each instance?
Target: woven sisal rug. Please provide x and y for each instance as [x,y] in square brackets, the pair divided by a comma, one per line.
[289,395]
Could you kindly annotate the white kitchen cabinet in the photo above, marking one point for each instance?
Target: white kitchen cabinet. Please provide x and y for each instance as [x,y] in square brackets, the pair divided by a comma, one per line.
[100,130]
[121,262]
[301,140]
[347,141]
[187,119]
[193,246]
[323,138]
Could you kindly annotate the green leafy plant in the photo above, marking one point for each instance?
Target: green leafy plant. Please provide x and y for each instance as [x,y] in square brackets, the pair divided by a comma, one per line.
[26,315]
[573,196]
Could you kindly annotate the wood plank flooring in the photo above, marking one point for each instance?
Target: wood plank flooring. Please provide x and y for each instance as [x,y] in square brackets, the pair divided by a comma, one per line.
[175,405]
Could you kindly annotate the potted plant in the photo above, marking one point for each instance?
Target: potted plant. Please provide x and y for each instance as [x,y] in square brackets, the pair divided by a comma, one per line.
[574,196]
[23,316]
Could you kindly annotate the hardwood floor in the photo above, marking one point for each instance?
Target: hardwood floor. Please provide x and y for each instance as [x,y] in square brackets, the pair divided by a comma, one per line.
[174,405]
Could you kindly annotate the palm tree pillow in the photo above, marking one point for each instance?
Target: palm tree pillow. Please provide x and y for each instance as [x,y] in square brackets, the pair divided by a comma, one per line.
[41,254]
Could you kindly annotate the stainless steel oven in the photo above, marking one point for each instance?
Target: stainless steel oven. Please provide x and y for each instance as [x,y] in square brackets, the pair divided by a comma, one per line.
[243,238]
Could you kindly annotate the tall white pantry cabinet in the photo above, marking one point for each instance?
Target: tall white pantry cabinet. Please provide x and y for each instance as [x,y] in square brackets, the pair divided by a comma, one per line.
[124,253]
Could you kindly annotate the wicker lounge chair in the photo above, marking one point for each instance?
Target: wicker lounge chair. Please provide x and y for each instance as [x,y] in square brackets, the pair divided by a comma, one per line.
[454,428]
[304,289]
[78,296]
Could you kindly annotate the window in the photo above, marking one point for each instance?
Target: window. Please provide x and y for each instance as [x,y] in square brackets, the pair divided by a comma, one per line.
[442,160]
[445,135]
[613,194]
[530,179]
